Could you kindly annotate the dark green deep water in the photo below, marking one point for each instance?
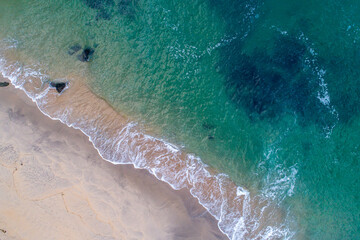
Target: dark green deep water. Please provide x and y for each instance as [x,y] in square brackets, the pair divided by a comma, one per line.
[267,92]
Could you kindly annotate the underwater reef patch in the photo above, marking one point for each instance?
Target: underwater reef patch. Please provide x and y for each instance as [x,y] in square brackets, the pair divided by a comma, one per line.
[106,8]
[99,4]
[272,80]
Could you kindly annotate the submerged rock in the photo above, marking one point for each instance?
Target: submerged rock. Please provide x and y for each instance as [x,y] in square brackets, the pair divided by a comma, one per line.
[58,85]
[208,126]
[4,84]
[74,49]
[85,56]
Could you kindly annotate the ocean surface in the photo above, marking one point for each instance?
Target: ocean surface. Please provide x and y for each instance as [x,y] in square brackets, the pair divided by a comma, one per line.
[260,97]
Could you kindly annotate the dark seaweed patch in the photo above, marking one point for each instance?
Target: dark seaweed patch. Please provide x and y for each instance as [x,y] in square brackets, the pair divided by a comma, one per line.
[102,6]
[105,8]
[126,7]
[103,14]
[268,83]
[208,126]
[74,49]
[99,4]
[288,53]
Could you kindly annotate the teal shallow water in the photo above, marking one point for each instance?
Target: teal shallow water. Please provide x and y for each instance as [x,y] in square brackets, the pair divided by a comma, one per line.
[267,92]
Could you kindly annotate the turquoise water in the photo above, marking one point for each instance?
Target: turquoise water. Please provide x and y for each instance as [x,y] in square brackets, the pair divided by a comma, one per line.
[266,92]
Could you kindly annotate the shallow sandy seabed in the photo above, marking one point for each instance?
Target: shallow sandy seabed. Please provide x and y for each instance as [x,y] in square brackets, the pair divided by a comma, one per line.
[54,185]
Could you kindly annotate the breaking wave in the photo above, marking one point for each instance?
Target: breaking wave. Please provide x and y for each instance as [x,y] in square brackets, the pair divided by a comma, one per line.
[119,140]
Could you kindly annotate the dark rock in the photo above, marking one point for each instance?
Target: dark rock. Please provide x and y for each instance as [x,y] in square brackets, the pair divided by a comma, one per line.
[4,84]
[74,49]
[4,231]
[59,86]
[85,56]
[210,137]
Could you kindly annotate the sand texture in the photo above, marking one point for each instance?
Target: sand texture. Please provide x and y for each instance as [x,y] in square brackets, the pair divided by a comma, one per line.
[54,185]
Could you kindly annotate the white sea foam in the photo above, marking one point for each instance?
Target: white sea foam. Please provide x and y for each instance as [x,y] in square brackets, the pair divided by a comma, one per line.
[238,213]
[280,180]
[323,94]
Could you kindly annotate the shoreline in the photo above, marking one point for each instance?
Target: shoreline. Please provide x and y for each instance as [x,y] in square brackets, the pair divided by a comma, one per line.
[177,210]
[120,141]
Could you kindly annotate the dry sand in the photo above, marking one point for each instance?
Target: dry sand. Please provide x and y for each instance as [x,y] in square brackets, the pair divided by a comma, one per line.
[54,185]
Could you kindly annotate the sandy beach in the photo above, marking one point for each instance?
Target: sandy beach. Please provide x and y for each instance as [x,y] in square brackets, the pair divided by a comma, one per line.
[54,185]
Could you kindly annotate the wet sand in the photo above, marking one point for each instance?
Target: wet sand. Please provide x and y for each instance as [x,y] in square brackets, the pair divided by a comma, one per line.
[54,185]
